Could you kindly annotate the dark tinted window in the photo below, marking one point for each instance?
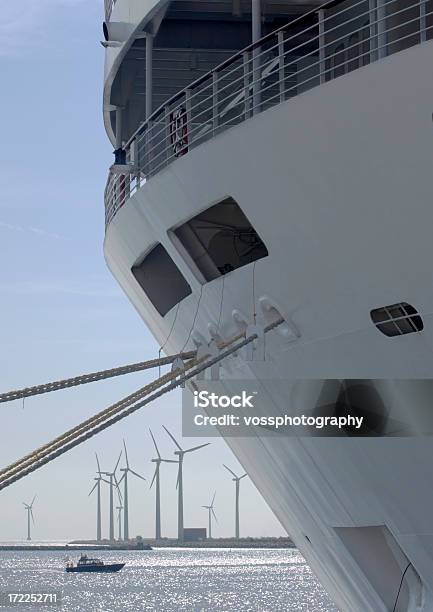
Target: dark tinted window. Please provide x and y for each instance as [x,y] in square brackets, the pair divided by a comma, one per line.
[221,239]
[397,319]
[161,280]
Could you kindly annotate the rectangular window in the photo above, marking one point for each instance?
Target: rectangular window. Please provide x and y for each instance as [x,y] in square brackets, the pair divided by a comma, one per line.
[161,280]
[221,239]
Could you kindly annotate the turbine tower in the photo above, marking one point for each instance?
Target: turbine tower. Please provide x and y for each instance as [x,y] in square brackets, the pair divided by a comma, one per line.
[125,471]
[113,483]
[237,480]
[119,509]
[211,512]
[29,508]
[179,485]
[158,460]
[97,486]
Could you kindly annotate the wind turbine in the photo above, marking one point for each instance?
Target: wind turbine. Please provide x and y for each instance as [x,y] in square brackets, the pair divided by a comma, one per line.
[125,493]
[237,480]
[97,486]
[211,512]
[158,460]
[180,453]
[113,483]
[29,508]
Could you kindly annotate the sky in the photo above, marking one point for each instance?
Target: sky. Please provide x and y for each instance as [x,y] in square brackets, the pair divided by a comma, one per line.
[62,313]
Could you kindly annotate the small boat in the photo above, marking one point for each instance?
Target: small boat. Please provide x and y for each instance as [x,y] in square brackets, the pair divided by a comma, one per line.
[86,564]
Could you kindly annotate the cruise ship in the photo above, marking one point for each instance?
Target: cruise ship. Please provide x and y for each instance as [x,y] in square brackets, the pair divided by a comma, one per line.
[273,161]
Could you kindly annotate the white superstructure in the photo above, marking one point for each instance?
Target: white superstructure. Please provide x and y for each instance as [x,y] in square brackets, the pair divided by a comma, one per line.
[292,178]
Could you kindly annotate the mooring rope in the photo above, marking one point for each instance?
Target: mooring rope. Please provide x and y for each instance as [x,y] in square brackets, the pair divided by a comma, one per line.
[120,410]
[91,422]
[83,379]
[94,420]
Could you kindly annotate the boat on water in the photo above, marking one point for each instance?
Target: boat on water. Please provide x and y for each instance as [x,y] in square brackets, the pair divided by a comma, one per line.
[273,162]
[88,564]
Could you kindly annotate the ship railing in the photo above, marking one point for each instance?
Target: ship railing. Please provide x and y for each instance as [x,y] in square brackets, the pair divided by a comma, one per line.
[335,39]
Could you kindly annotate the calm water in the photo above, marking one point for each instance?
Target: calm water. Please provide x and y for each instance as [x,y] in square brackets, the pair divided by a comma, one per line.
[173,580]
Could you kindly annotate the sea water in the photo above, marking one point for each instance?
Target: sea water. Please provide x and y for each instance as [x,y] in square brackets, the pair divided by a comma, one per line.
[171,580]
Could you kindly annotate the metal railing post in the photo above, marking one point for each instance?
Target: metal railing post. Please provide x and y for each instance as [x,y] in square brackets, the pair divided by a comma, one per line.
[128,181]
[382,50]
[422,21]
[214,101]
[246,59]
[131,153]
[373,29]
[135,161]
[281,69]
[322,46]
[188,116]
[256,34]
[147,149]
[257,82]
[167,132]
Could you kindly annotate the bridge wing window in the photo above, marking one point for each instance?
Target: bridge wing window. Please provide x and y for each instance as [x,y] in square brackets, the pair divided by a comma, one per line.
[397,319]
[161,280]
[221,239]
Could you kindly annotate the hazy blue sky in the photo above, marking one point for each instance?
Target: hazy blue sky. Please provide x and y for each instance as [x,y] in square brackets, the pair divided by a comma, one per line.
[61,311]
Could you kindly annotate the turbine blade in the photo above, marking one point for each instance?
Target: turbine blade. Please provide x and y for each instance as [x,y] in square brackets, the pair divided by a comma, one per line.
[33,518]
[123,476]
[154,476]
[94,487]
[177,480]
[106,481]
[231,471]
[213,499]
[117,486]
[169,461]
[173,438]
[97,463]
[117,464]
[214,515]
[194,448]
[240,478]
[154,442]
[126,454]
[33,501]
[135,474]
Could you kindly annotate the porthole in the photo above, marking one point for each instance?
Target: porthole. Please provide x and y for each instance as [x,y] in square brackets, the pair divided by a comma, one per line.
[397,319]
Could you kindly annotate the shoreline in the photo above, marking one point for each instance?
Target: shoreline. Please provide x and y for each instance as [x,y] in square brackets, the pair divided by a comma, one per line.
[148,545]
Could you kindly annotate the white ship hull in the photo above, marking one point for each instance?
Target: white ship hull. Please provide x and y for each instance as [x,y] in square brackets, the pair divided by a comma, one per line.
[337,182]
